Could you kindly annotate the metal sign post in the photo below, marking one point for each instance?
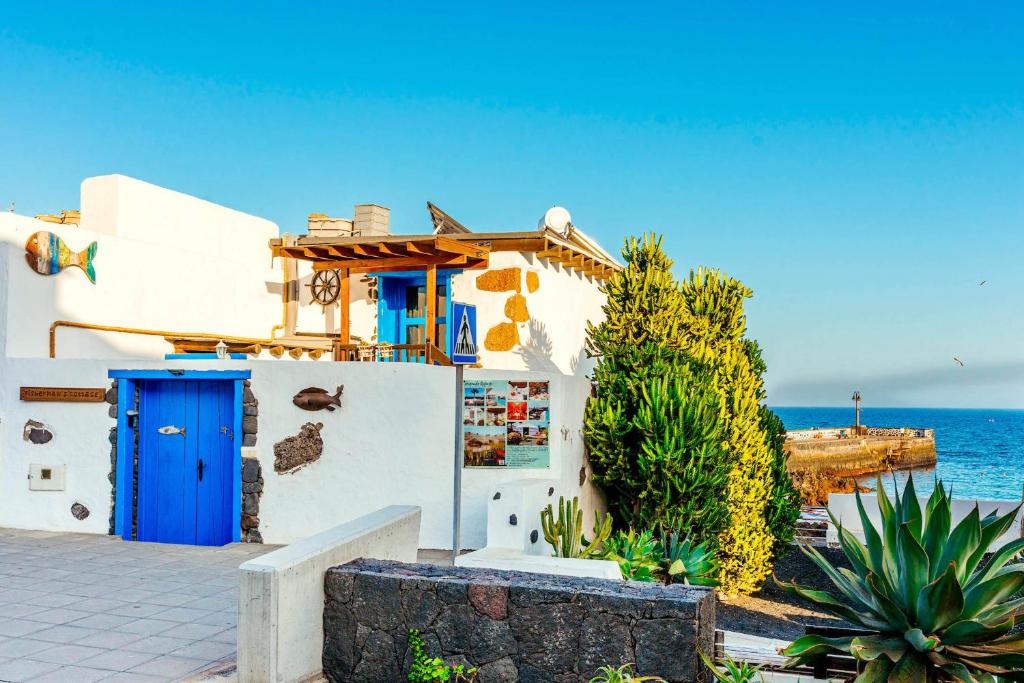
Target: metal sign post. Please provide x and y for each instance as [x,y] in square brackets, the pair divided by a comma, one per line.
[463,346]
[457,498]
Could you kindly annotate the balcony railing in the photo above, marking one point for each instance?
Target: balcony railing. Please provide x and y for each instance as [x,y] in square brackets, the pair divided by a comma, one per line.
[391,353]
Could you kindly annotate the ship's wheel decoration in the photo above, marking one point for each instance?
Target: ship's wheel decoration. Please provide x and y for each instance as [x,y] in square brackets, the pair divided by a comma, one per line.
[325,287]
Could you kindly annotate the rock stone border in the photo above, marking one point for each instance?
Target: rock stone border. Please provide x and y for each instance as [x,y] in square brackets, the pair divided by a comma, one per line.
[252,471]
[510,625]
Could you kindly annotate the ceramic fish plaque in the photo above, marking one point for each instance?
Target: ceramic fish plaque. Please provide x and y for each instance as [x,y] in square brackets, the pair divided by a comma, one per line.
[315,398]
[47,254]
[171,430]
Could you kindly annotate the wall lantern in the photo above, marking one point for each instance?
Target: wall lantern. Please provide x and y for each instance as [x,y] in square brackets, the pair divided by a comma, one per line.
[222,350]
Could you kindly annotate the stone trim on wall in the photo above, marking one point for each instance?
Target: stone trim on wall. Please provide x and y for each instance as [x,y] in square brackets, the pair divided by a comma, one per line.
[510,625]
[252,471]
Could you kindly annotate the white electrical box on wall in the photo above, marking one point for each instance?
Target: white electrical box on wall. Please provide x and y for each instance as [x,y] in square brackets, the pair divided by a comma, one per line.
[46,477]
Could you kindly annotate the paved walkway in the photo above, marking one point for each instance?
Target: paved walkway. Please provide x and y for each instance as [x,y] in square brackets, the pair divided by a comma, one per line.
[77,608]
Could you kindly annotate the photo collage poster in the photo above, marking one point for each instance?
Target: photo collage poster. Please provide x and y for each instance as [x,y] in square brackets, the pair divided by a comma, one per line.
[506,423]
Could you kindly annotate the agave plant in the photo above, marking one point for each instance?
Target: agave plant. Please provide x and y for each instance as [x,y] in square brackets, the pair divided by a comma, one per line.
[731,671]
[622,674]
[684,562]
[919,585]
[638,554]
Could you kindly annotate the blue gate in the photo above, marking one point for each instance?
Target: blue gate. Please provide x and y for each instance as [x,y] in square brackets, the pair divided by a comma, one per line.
[189,471]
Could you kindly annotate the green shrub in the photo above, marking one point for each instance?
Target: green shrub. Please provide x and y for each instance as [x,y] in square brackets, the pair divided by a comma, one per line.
[676,435]
[713,334]
[431,669]
[565,535]
[919,585]
[654,438]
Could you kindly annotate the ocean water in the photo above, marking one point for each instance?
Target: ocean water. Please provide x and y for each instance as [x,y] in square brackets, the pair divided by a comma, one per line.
[980,453]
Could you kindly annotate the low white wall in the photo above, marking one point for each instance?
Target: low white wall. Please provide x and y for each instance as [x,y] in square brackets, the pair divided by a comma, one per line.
[390,443]
[281,594]
[843,507]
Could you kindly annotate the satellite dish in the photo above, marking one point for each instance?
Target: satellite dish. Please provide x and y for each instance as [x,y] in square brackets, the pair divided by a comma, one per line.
[556,218]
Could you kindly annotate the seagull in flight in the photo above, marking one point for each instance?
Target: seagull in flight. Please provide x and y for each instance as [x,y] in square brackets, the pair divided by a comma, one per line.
[960,362]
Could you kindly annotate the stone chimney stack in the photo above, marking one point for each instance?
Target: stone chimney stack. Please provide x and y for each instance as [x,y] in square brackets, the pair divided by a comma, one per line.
[371,220]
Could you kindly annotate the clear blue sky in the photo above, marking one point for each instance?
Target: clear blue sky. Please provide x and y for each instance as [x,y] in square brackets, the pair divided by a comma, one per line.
[860,166]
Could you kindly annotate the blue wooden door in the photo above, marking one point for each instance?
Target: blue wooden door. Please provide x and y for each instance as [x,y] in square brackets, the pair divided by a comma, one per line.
[185,462]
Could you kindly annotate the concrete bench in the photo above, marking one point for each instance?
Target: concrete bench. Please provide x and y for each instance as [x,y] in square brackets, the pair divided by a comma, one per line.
[843,507]
[281,594]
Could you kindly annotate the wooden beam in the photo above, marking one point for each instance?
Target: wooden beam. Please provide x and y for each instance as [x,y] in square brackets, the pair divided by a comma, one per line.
[343,301]
[360,250]
[430,338]
[398,263]
[458,247]
[534,245]
[414,248]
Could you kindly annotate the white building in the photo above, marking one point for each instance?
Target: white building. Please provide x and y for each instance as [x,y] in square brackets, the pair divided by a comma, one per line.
[175,276]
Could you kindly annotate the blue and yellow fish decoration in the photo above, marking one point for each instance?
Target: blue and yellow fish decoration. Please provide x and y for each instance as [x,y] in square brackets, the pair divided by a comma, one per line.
[47,254]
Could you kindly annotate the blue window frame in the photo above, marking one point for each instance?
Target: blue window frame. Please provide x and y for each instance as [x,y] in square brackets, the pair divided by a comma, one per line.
[402,307]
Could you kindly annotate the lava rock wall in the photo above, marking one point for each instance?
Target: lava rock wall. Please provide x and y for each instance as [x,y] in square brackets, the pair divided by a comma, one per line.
[509,625]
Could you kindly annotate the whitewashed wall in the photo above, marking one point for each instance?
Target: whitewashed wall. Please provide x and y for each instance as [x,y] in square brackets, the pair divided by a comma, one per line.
[553,340]
[81,443]
[165,261]
[391,442]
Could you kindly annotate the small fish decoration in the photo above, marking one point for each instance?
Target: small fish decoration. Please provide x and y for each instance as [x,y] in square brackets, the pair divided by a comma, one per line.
[47,254]
[171,430]
[315,398]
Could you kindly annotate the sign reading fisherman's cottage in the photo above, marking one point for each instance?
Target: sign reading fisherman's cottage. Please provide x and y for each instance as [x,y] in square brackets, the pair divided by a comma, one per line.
[506,424]
[63,394]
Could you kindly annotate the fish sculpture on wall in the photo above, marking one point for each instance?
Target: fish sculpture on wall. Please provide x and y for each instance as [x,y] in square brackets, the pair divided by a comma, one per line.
[315,398]
[47,254]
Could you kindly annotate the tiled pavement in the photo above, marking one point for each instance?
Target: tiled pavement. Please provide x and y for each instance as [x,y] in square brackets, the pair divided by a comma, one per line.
[76,608]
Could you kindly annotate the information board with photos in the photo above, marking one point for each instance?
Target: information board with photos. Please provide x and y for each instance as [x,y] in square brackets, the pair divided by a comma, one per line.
[506,424]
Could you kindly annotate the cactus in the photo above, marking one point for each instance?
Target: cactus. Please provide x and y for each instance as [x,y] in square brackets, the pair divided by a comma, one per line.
[566,534]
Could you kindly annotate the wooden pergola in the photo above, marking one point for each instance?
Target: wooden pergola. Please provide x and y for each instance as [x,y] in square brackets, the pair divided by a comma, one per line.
[428,253]
[386,254]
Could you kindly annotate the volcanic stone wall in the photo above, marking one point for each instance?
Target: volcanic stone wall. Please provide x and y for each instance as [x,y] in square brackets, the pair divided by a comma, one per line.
[510,625]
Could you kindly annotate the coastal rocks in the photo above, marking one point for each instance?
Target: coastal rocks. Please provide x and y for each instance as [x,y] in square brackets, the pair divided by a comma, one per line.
[298,451]
[509,625]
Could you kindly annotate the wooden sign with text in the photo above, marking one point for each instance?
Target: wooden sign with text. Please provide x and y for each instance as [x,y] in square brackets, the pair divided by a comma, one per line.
[63,394]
